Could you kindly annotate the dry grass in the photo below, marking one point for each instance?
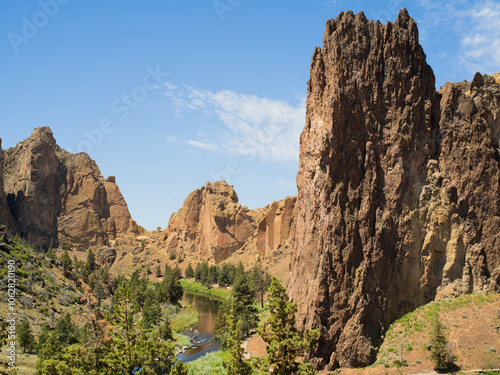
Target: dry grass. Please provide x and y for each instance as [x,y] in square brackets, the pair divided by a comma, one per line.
[471,323]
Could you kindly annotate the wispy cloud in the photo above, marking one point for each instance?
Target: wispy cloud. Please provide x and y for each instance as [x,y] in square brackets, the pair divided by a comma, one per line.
[481,44]
[476,24]
[253,126]
[203,145]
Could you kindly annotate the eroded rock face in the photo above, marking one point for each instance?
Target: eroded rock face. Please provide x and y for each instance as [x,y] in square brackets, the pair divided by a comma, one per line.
[211,223]
[274,225]
[57,196]
[398,187]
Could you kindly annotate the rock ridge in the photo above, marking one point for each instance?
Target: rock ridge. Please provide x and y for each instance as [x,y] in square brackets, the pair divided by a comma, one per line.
[57,197]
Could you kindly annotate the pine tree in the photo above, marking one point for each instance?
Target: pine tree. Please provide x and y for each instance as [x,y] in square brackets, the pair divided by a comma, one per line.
[91,265]
[235,364]
[260,283]
[151,312]
[25,336]
[66,332]
[189,273]
[246,311]
[66,261]
[165,330]
[286,343]
[439,346]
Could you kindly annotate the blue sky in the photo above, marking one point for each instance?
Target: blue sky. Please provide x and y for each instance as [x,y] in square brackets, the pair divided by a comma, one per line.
[170,94]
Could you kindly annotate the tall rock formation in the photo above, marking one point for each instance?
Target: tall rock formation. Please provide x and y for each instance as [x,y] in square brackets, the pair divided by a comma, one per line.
[211,224]
[56,196]
[398,187]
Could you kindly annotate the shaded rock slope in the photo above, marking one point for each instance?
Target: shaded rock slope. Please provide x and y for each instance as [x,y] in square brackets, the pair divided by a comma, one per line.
[57,197]
[398,187]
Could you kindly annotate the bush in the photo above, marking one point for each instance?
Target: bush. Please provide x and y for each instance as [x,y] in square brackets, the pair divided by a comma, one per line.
[208,364]
[397,363]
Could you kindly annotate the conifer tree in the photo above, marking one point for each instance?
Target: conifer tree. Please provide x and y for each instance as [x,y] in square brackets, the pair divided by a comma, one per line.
[235,364]
[189,273]
[66,261]
[91,264]
[439,346]
[286,343]
[25,336]
[165,330]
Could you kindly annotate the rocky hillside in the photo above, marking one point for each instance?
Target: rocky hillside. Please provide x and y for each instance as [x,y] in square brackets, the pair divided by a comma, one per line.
[56,197]
[213,225]
[398,187]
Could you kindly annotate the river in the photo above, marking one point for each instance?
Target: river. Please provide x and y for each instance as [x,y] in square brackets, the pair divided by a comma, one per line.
[201,333]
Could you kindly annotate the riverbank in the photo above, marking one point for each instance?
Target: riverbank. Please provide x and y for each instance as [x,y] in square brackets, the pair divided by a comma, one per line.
[193,287]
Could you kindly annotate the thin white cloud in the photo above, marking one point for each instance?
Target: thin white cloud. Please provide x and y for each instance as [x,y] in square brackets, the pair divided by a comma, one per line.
[481,44]
[253,126]
[203,145]
[475,24]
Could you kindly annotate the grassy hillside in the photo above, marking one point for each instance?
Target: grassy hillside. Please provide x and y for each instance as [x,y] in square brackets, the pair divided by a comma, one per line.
[471,326]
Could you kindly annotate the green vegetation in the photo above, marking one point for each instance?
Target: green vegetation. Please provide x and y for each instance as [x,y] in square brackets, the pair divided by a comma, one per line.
[440,351]
[197,288]
[235,363]
[243,299]
[286,343]
[120,325]
[189,273]
[25,337]
[184,318]
[211,363]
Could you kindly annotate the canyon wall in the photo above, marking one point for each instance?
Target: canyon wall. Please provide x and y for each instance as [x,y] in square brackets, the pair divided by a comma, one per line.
[398,187]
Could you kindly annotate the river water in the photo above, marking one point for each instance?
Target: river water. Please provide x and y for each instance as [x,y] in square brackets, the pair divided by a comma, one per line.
[201,333]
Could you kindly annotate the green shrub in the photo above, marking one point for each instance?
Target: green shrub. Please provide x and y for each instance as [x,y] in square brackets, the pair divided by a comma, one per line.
[210,363]
[397,363]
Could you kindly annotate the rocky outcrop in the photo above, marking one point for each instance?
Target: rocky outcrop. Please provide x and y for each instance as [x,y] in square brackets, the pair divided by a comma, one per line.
[6,218]
[56,196]
[398,187]
[211,224]
[274,225]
